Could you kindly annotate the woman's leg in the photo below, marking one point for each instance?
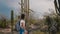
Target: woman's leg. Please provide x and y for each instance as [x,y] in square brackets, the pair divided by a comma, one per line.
[21,31]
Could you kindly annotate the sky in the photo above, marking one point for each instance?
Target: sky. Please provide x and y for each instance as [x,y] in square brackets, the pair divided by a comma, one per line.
[41,7]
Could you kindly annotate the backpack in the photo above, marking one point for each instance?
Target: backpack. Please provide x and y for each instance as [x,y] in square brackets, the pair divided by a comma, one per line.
[17,26]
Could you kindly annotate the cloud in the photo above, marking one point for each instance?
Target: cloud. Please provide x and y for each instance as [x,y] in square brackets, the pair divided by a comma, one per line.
[4,9]
[41,7]
[13,4]
[7,5]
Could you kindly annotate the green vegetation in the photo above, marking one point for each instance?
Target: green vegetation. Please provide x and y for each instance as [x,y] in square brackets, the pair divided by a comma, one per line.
[3,23]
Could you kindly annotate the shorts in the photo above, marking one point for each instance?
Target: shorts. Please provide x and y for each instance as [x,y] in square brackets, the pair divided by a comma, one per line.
[22,31]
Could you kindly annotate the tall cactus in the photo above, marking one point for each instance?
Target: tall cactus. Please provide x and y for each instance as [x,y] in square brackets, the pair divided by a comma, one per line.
[56,6]
[59,6]
[55,3]
[12,20]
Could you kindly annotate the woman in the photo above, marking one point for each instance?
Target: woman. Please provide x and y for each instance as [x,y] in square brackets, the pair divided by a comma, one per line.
[22,24]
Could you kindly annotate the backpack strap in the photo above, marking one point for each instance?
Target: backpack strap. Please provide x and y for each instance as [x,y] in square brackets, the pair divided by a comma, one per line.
[19,22]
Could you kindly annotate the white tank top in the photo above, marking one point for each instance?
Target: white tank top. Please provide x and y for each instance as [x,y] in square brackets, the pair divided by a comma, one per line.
[22,23]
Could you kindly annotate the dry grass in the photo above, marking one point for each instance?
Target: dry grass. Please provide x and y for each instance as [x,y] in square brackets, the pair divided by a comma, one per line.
[39,32]
[58,32]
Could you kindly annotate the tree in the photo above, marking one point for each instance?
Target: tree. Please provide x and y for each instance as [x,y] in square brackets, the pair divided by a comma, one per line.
[3,21]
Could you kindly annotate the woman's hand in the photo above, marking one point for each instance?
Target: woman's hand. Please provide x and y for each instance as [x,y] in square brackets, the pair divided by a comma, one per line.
[26,32]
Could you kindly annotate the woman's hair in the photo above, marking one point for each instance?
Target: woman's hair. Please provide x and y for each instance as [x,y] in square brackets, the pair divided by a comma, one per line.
[22,16]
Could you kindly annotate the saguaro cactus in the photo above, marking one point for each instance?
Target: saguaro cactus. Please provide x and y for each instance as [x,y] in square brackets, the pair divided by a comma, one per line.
[12,20]
[57,6]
